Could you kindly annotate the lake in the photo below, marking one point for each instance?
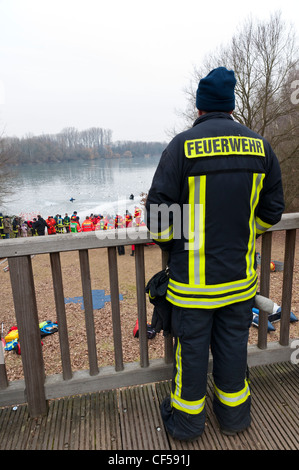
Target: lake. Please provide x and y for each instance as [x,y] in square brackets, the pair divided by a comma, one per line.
[97,186]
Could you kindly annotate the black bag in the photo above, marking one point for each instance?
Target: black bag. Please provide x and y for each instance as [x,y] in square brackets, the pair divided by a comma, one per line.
[156,289]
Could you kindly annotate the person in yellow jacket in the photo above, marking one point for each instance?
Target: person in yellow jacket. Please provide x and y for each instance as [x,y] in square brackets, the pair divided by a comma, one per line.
[59,224]
[1,226]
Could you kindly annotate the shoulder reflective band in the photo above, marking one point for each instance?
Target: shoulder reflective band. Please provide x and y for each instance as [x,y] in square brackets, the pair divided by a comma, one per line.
[233,399]
[225,145]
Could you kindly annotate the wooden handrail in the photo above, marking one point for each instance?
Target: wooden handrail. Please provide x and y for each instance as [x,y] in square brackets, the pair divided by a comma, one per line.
[36,388]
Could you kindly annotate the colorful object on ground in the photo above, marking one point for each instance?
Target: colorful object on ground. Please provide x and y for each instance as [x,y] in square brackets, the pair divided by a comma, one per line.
[98,299]
[12,338]
[255,320]
[151,333]
[48,328]
[272,318]
[12,334]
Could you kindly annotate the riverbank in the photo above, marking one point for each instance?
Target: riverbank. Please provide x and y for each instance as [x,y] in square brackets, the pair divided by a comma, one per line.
[102,317]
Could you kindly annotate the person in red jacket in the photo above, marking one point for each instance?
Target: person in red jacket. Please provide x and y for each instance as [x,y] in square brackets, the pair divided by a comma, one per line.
[87,225]
[51,225]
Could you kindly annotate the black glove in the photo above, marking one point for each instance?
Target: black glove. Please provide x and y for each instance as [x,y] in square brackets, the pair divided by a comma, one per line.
[156,289]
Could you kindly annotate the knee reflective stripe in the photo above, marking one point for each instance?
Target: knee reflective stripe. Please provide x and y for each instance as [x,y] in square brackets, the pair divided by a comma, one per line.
[191,407]
[233,399]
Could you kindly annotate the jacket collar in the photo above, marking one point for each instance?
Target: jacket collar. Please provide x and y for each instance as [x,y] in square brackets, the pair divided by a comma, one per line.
[213,115]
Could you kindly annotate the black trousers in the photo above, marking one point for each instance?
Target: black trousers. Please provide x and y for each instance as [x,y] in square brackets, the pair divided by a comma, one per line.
[225,330]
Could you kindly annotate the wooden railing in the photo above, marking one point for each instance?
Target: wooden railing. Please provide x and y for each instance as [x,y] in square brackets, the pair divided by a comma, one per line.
[36,388]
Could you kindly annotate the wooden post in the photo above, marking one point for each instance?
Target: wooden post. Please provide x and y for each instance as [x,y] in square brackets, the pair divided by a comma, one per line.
[141,304]
[114,290]
[288,270]
[264,288]
[88,307]
[168,341]
[61,316]
[22,283]
[3,374]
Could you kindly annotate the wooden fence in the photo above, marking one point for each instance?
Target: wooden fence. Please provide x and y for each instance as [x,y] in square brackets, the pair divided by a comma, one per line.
[37,388]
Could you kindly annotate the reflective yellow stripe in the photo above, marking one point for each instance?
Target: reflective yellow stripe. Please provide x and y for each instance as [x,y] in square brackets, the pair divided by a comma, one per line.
[257,184]
[261,226]
[202,230]
[190,407]
[211,302]
[178,376]
[233,399]
[197,216]
[211,289]
[164,236]
[191,182]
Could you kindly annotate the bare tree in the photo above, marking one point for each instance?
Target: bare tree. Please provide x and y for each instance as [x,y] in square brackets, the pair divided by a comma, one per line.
[265,60]
[6,174]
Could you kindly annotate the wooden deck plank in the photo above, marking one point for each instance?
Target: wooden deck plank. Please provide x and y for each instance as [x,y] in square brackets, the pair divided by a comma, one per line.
[129,419]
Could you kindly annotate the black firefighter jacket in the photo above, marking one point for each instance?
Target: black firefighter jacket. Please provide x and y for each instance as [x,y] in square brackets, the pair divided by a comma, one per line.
[216,188]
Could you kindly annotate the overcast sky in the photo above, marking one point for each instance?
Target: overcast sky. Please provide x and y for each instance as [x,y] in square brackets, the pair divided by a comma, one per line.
[116,64]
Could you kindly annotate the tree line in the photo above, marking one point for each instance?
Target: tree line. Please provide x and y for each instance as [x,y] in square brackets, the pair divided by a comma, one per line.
[264,56]
[72,144]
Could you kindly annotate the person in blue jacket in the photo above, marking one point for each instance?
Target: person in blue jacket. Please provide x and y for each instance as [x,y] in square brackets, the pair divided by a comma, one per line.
[217,187]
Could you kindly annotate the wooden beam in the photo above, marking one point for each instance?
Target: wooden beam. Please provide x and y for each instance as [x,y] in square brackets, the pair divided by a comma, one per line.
[115,308]
[61,315]
[29,333]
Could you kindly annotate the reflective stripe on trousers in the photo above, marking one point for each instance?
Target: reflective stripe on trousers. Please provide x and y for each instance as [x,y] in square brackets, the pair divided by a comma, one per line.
[188,406]
[233,399]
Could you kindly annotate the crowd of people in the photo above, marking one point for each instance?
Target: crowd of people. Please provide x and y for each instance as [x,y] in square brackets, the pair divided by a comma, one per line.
[18,227]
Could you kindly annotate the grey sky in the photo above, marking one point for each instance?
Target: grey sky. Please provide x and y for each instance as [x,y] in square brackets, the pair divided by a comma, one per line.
[118,64]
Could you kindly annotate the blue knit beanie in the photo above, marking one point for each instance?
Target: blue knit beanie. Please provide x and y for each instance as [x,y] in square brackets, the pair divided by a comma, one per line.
[216,91]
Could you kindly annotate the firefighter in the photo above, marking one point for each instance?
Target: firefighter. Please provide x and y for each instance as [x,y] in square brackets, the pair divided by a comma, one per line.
[137,216]
[66,223]
[119,223]
[51,223]
[87,225]
[16,226]
[74,225]
[1,226]
[221,183]
[59,224]
[128,219]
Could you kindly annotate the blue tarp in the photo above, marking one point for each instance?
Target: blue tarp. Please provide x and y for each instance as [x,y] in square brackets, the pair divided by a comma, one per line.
[98,299]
